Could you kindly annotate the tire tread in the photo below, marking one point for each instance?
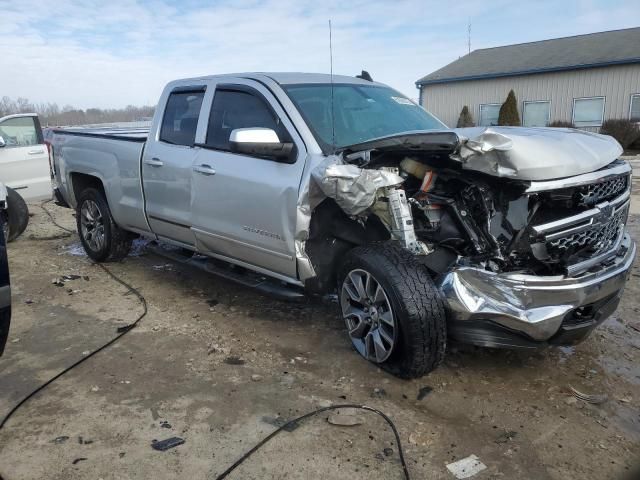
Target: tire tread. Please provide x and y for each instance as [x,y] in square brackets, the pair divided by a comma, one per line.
[422,315]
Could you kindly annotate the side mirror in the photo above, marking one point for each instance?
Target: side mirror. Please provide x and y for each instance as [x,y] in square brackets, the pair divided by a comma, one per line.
[2,142]
[261,142]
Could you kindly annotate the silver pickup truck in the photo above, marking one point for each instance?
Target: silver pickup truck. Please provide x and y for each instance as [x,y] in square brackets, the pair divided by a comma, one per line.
[500,237]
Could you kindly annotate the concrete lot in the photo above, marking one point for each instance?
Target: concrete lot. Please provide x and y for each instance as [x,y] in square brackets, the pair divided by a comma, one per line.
[172,376]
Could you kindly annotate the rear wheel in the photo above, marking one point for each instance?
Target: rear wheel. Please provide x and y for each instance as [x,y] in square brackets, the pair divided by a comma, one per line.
[101,238]
[17,215]
[393,312]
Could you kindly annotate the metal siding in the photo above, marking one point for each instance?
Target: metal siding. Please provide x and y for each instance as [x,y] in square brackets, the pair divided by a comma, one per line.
[615,83]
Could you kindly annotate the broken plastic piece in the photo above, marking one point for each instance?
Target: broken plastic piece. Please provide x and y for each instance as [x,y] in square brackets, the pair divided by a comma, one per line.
[467,467]
[163,445]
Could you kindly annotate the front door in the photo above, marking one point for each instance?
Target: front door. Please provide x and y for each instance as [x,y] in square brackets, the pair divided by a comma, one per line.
[24,159]
[244,207]
[166,166]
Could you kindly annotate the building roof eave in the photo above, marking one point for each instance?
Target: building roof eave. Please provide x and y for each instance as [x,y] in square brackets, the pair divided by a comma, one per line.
[423,82]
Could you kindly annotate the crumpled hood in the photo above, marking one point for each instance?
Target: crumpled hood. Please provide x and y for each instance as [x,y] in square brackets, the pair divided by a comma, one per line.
[534,153]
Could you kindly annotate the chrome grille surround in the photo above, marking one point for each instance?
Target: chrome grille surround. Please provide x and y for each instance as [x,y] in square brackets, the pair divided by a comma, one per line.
[594,235]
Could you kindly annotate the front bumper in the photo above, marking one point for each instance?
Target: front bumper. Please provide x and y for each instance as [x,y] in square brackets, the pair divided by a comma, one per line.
[524,311]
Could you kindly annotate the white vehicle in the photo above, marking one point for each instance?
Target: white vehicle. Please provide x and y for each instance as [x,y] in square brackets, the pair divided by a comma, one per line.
[24,158]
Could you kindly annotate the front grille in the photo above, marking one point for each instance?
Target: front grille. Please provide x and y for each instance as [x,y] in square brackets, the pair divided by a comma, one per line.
[593,241]
[590,195]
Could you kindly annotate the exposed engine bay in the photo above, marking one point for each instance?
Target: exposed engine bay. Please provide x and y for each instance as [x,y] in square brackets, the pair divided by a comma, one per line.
[448,214]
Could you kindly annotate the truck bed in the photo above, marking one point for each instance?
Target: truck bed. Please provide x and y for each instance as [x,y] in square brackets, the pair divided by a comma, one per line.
[112,155]
[136,134]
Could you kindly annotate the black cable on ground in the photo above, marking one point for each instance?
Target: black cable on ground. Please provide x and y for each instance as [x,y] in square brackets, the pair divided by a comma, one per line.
[122,331]
[296,421]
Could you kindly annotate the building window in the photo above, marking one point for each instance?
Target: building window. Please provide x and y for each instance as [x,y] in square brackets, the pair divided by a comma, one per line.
[588,112]
[536,114]
[489,113]
[634,108]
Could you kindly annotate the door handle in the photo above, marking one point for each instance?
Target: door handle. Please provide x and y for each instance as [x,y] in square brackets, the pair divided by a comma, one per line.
[35,152]
[154,162]
[204,169]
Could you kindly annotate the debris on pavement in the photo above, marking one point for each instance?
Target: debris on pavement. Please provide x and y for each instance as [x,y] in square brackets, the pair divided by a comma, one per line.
[165,424]
[163,445]
[60,439]
[233,360]
[279,422]
[78,460]
[378,393]
[345,418]
[423,392]
[66,278]
[506,437]
[467,467]
[593,399]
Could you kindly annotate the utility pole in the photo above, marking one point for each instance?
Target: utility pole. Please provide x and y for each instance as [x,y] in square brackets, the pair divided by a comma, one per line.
[469,36]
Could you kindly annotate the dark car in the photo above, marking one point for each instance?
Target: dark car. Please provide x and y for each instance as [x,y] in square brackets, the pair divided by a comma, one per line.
[5,289]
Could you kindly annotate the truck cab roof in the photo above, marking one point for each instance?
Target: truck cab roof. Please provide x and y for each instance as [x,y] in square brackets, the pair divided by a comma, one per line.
[287,78]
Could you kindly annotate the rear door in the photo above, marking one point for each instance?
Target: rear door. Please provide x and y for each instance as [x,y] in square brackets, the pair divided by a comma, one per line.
[166,165]
[24,159]
[244,207]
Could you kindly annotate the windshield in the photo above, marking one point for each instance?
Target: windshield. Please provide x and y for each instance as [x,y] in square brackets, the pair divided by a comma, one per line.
[362,113]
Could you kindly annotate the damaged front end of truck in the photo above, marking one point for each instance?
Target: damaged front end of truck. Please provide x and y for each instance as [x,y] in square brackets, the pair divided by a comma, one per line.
[522,230]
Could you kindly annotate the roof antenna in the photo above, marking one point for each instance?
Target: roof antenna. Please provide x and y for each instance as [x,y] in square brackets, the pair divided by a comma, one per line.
[469,36]
[333,120]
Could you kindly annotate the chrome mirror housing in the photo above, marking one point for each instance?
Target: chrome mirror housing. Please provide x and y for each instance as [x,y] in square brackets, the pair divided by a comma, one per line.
[261,142]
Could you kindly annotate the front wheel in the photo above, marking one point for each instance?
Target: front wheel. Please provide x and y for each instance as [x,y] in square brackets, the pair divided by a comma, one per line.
[394,314]
[101,238]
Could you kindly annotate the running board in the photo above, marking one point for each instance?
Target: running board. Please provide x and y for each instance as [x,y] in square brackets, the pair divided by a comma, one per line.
[228,271]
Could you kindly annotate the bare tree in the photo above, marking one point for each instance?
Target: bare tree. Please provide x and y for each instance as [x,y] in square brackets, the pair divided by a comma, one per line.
[52,115]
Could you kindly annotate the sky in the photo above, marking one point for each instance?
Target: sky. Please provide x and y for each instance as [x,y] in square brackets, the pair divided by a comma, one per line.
[118,52]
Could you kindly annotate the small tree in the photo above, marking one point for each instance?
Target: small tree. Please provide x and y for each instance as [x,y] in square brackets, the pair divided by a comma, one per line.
[465,119]
[561,124]
[509,112]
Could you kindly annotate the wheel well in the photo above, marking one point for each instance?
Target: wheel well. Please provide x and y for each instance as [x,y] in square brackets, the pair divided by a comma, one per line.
[81,181]
[332,233]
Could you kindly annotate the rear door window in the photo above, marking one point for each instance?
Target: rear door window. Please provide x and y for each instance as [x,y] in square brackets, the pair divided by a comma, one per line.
[180,119]
[234,109]
[19,132]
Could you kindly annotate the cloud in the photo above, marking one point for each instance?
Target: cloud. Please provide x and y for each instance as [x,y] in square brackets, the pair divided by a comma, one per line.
[110,54]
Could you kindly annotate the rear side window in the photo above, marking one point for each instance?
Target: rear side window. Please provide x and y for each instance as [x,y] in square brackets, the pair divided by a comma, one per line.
[19,132]
[181,118]
[235,109]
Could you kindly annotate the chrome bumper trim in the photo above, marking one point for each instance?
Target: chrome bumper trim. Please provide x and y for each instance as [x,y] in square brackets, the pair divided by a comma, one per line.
[594,177]
[529,304]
